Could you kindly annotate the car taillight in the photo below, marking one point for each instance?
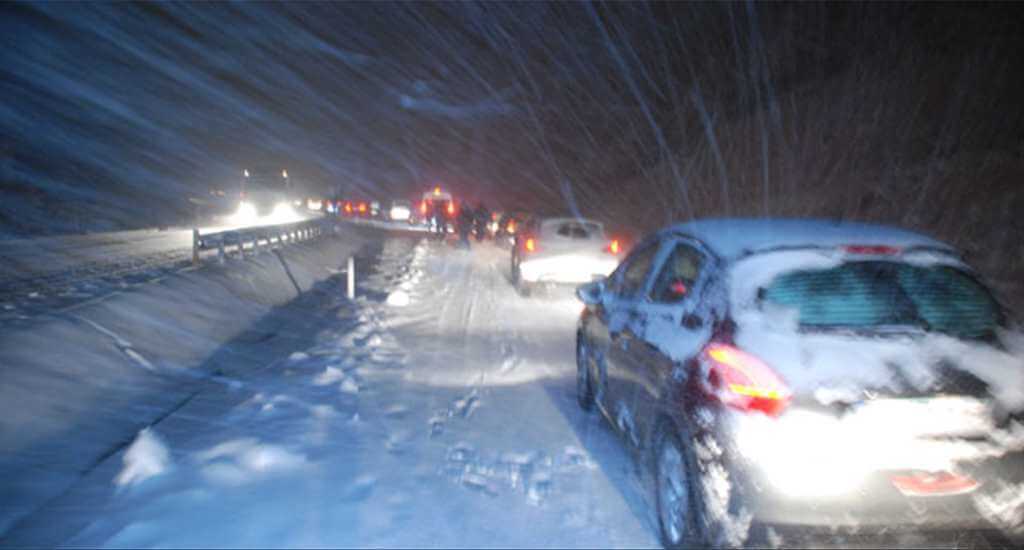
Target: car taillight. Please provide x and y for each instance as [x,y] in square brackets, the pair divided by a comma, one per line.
[743,381]
[531,245]
[921,484]
[423,208]
[451,208]
[613,247]
[871,250]
[362,207]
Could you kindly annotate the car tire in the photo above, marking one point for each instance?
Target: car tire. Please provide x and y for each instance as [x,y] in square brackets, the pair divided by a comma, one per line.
[584,387]
[679,499]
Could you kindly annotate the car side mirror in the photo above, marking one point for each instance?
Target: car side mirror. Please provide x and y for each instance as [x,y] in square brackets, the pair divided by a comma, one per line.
[590,293]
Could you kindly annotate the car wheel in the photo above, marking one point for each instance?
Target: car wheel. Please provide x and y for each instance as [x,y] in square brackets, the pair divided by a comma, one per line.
[584,389]
[678,493]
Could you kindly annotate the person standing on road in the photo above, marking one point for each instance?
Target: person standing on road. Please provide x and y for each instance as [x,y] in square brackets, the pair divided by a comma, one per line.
[465,225]
[437,221]
[483,217]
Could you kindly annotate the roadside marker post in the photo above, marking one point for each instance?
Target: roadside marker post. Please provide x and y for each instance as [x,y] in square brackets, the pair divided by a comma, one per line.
[351,278]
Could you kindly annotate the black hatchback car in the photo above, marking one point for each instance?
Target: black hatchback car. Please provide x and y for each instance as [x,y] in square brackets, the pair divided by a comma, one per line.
[781,373]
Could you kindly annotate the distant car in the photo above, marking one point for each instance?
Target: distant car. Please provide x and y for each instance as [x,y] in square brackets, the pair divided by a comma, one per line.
[361,209]
[508,225]
[400,211]
[265,197]
[561,251]
[842,376]
[492,225]
[437,210]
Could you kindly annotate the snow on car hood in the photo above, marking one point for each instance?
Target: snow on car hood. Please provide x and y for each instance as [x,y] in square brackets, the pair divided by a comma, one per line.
[840,367]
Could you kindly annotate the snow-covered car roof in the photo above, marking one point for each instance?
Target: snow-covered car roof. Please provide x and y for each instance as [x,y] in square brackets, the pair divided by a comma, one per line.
[732,238]
[560,219]
[442,196]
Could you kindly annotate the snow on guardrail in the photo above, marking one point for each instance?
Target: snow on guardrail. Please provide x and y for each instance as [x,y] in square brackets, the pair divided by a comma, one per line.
[239,240]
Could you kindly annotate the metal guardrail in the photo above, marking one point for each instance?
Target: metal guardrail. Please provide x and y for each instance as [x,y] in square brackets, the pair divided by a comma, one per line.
[251,238]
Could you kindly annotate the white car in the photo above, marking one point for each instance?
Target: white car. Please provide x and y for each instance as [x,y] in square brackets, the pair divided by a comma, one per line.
[400,211]
[568,251]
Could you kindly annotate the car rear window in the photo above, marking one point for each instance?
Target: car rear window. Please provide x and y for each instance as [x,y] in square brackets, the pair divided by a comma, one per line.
[873,294]
[573,230]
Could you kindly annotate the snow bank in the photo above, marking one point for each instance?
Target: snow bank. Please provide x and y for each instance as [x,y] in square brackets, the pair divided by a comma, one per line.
[398,298]
[90,377]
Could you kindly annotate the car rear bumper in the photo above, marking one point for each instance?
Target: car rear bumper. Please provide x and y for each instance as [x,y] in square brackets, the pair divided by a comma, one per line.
[882,502]
[803,474]
[566,269]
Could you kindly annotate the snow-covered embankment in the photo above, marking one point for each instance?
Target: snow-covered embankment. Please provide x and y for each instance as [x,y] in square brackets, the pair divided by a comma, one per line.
[88,378]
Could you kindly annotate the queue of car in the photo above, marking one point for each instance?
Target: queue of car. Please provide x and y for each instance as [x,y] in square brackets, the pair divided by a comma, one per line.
[779,373]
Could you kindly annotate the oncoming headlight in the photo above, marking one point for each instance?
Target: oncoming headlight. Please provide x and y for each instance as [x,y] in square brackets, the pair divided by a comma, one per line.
[246,214]
[283,213]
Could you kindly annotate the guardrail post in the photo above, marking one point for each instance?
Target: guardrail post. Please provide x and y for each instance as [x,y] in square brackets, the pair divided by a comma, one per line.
[195,246]
[351,278]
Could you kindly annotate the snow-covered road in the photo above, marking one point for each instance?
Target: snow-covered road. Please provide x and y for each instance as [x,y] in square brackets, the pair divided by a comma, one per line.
[438,410]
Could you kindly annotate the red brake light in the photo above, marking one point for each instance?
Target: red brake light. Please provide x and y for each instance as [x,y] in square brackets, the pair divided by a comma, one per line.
[451,208]
[871,250]
[743,381]
[931,484]
[613,247]
[423,207]
[530,245]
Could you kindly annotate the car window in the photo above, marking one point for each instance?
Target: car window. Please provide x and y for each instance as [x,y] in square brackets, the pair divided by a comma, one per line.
[575,230]
[630,277]
[870,295]
[678,274]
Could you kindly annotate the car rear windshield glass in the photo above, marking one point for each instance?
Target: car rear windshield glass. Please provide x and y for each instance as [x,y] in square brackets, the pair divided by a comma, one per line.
[574,230]
[864,295]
